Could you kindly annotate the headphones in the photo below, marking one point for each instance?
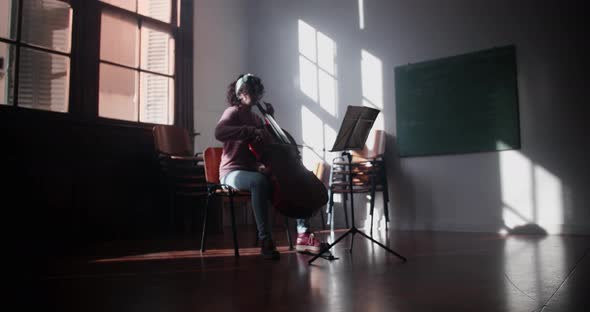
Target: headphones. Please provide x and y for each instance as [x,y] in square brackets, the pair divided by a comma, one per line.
[241,81]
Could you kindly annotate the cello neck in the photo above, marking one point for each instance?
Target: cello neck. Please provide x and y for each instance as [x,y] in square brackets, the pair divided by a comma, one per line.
[278,131]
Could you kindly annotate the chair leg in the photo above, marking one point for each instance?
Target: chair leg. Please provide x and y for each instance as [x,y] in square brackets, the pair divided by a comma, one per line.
[386,206]
[288,233]
[255,232]
[233,226]
[323,221]
[330,215]
[204,234]
[330,207]
[372,209]
[385,190]
[172,208]
[373,187]
[345,206]
[256,238]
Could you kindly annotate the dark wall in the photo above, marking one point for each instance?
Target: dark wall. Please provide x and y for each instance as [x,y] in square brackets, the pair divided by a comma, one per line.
[72,182]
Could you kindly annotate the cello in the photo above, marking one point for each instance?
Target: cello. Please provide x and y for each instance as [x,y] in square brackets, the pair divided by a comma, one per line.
[297,192]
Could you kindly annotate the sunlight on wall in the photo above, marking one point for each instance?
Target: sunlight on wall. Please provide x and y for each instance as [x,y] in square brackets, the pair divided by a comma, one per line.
[317,137]
[372,88]
[327,73]
[307,59]
[372,91]
[372,79]
[317,80]
[517,184]
[307,44]
[308,78]
[313,136]
[326,54]
[317,67]
[329,139]
[361,14]
[530,194]
[548,198]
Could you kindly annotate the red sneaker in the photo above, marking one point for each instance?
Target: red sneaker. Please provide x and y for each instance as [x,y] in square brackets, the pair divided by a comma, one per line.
[307,242]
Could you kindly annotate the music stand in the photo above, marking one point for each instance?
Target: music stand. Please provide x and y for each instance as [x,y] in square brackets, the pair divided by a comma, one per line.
[352,135]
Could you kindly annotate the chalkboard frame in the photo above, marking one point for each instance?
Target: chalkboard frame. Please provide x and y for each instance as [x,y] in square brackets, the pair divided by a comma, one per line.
[460,104]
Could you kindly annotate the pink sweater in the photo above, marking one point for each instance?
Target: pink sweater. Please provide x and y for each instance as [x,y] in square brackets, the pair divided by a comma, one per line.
[236,128]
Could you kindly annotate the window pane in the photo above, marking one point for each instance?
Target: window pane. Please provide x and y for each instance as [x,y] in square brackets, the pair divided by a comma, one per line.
[157,99]
[178,10]
[117,97]
[326,54]
[44,80]
[308,78]
[6,73]
[47,23]
[8,9]
[125,4]
[157,50]
[328,92]
[158,9]
[307,41]
[119,39]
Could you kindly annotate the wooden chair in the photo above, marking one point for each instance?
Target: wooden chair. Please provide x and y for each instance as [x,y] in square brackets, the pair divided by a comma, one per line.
[368,174]
[180,169]
[319,170]
[370,160]
[212,160]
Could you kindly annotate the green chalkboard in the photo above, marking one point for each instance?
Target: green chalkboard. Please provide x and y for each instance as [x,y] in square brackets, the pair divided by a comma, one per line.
[461,104]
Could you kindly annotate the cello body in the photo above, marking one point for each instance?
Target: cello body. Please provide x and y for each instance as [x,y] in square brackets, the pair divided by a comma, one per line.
[297,192]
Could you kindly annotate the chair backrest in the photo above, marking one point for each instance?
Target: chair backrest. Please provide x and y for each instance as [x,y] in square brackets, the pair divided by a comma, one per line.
[182,171]
[212,159]
[172,140]
[319,170]
[374,147]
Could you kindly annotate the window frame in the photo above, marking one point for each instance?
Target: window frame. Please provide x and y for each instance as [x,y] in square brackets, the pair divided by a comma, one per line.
[171,28]
[17,43]
[85,61]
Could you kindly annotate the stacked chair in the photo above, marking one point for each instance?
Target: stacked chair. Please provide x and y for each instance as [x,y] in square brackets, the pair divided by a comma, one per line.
[181,170]
[368,174]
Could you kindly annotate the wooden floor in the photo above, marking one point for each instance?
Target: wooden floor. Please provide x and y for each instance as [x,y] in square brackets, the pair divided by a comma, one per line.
[444,272]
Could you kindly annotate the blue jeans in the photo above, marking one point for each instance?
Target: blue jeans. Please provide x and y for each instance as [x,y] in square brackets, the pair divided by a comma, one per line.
[260,188]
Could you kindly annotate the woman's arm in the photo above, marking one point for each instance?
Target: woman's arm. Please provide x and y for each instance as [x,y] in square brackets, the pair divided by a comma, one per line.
[229,128]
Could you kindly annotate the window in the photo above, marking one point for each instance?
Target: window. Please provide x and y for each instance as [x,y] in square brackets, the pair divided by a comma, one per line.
[35,44]
[317,67]
[114,59]
[136,75]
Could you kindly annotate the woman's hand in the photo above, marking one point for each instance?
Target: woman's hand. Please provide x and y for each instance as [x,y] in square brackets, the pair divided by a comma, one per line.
[259,135]
[263,169]
[269,109]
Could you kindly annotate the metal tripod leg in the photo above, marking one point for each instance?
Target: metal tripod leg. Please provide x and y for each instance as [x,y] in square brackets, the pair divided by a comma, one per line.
[383,246]
[353,230]
[329,246]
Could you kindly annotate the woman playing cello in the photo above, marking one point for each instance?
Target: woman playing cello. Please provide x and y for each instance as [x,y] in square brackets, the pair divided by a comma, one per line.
[238,127]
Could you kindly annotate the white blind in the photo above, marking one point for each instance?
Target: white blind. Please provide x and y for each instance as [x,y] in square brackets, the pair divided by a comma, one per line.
[44,77]
[156,90]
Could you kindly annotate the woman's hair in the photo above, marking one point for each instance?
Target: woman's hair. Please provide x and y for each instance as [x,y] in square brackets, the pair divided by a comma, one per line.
[250,84]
